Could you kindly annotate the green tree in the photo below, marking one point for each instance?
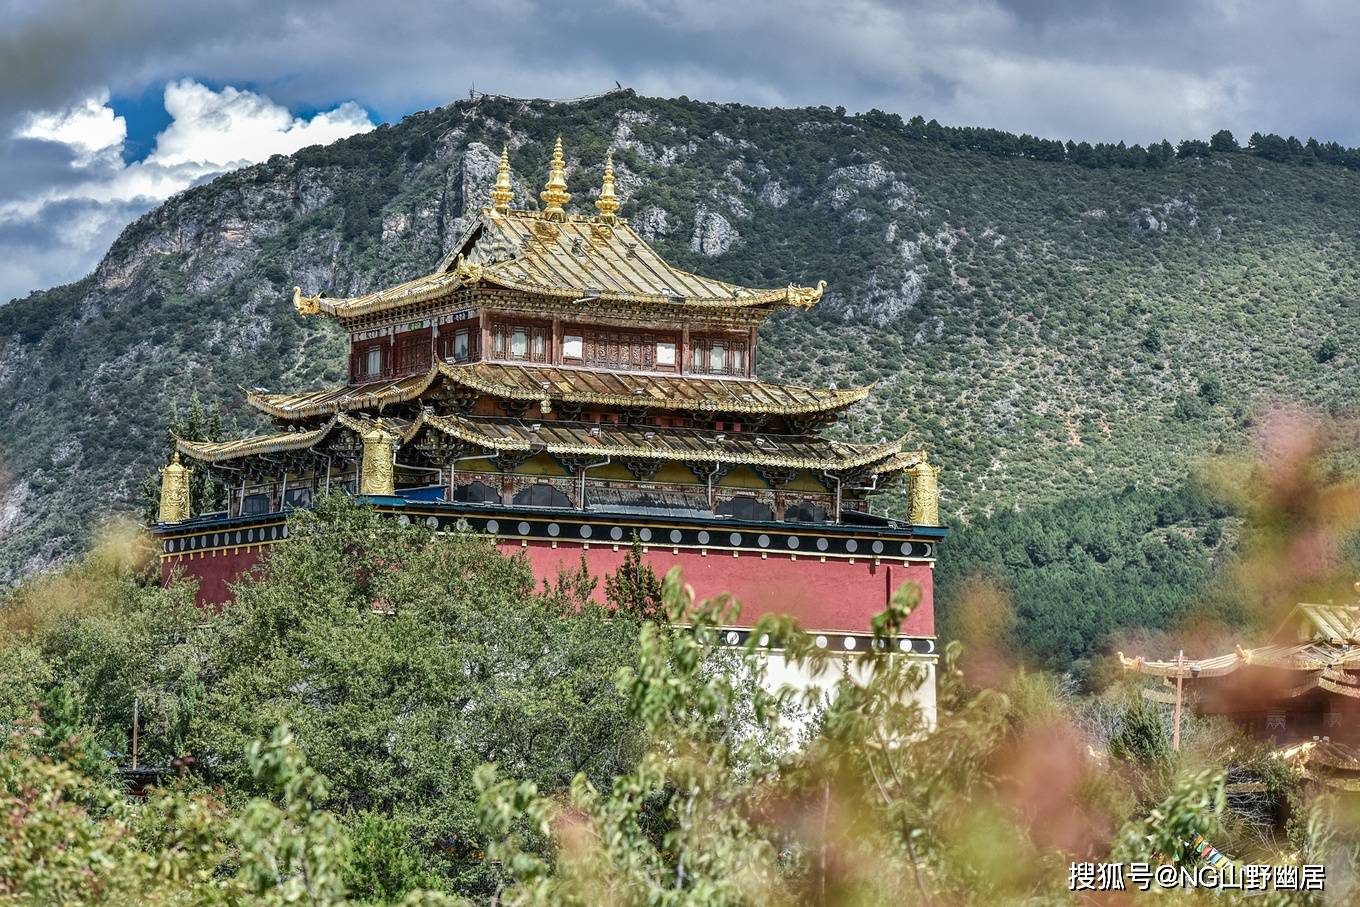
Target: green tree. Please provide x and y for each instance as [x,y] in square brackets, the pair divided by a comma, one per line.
[197,423]
[402,661]
[1223,141]
[634,588]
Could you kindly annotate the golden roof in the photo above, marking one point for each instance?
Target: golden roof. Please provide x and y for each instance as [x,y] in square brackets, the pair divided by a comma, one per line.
[219,451]
[577,258]
[645,442]
[1329,643]
[1304,656]
[587,439]
[691,393]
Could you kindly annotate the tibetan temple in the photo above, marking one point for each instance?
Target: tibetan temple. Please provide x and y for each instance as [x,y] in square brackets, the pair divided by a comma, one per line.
[556,384]
[1300,692]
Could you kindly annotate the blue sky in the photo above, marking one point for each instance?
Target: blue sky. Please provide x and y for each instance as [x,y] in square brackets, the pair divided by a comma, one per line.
[106,109]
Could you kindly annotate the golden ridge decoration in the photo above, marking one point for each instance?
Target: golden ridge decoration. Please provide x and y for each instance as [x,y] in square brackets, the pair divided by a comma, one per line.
[502,194]
[469,272]
[608,203]
[306,305]
[923,494]
[174,491]
[554,194]
[806,296]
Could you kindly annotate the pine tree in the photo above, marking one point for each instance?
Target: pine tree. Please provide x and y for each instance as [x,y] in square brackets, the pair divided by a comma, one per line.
[199,423]
[635,588]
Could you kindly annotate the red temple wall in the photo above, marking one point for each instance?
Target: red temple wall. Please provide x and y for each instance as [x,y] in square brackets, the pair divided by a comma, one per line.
[836,594]
[215,570]
[832,595]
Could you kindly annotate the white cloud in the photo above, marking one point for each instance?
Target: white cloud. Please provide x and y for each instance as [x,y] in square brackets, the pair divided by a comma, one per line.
[91,128]
[219,127]
[210,133]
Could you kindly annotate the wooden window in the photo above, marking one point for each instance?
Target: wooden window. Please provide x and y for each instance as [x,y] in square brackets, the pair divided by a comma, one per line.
[369,361]
[719,356]
[622,350]
[412,352]
[458,341]
[525,342]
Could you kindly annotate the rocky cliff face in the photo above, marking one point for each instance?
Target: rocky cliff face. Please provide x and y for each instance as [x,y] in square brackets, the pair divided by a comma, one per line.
[1040,347]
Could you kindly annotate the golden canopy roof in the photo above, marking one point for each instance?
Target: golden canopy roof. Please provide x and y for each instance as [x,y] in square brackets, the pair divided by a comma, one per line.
[693,393]
[578,258]
[572,439]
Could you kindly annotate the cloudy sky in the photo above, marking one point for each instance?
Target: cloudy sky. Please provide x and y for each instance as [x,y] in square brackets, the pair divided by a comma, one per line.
[106,109]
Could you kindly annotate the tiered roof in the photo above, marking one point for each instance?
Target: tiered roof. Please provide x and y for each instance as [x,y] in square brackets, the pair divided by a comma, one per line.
[575,439]
[575,259]
[600,265]
[692,393]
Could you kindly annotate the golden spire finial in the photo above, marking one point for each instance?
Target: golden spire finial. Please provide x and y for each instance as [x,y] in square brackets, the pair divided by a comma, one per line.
[555,193]
[502,193]
[608,203]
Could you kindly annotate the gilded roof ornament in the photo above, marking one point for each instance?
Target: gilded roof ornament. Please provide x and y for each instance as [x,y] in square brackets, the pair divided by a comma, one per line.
[608,203]
[502,194]
[174,492]
[923,493]
[554,194]
[468,272]
[806,296]
[306,305]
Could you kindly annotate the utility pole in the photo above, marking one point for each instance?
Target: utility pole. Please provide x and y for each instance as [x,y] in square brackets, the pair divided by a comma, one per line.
[1180,680]
[136,713]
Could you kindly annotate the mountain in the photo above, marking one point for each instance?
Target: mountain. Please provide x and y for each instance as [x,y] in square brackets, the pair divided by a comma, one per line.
[1053,332]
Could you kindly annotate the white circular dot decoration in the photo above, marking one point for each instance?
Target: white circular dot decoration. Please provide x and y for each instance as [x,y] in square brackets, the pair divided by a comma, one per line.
[905,645]
[645,534]
[616,533]
[733,637]
[554,530]
[764,639]
[523,528]
[735,538]
[493,526]
[763,541]
[432,522]
[703,537]
[849,643]
[585,532]
[793,541]
[676,536]
[851,545]
[821,642]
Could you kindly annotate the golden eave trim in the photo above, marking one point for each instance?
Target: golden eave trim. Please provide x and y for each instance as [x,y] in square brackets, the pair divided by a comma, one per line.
[222,451]
[392,392]
[466,430]
[399,391]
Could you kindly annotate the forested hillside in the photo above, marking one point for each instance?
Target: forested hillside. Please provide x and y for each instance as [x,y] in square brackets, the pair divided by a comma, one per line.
[1056,324]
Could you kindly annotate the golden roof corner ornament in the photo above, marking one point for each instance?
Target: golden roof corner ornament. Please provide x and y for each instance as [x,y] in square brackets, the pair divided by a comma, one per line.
[306,305]
[806,296]
[174,491]
[468,272]
[608,203]
[502,194]
[554,194]
[923,493]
